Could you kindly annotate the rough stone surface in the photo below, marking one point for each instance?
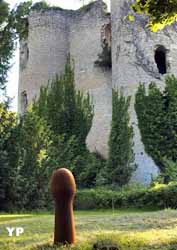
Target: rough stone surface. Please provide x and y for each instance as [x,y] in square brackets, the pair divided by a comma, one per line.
[133,50]
[55,33]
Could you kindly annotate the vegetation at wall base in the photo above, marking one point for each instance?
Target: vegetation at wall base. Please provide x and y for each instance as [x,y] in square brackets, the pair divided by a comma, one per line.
[8,160]
[120,159]
[159,196]
[157,117]
[50,134]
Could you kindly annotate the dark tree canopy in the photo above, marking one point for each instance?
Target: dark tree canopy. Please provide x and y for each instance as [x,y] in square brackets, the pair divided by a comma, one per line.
[160,12]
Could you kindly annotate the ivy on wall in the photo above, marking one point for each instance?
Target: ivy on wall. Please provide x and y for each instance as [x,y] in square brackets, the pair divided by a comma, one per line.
[157,118]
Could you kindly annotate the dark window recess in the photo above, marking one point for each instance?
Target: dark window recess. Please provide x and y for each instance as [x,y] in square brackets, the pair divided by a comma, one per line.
[160,59]
[104,59]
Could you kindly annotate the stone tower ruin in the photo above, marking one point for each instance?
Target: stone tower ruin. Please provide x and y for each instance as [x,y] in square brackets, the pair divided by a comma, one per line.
[138,55]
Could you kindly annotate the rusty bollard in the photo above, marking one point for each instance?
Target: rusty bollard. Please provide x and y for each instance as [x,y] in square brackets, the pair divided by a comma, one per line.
[63,188]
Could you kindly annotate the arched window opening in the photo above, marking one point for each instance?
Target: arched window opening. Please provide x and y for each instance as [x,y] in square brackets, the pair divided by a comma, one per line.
[24,102]
[160,59]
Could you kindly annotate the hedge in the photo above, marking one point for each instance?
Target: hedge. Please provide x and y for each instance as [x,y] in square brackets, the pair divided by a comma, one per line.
[159,196]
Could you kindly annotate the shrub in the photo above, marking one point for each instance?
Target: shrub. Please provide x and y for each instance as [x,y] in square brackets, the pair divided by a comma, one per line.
[8,157]
[157,197]
[69,114]
[157,119]
[66,110]
[120,159]
[34,141]
[52,135]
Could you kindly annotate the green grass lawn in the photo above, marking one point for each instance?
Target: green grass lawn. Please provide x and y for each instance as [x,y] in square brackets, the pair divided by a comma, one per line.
[130,229]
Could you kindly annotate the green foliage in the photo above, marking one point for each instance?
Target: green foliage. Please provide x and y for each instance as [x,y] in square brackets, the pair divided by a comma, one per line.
[157,118]
[86,5]
[158,196]
[19,19]
[52,135]
[8,157]
[161,13]
[42,5]
[68,113]
[170,172]
[3,11]
[120,160]
[150,112]
[66,110]
[106,198]
[34,141]
[6,43]
[71,154]
[13,26]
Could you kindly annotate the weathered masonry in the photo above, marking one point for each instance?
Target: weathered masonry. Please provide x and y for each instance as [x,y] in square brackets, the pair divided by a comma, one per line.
[138,55]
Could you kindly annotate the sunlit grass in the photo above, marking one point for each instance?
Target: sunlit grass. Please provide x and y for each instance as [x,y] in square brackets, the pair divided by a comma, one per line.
[130,229]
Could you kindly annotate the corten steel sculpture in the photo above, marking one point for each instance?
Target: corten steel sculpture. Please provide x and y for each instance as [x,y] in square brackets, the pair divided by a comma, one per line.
[63,188]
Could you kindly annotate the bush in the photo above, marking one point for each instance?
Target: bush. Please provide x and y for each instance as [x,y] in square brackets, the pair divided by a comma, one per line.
[52,134]
[157,197]
[66,110]
[8,157]
[84,165]
[120,159]
[34,141]
[157,119]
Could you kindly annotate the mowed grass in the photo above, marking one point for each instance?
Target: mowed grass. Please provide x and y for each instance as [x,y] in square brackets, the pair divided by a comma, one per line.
[130,229]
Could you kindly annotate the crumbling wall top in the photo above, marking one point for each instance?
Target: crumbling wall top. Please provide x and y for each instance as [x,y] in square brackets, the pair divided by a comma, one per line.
[96,8]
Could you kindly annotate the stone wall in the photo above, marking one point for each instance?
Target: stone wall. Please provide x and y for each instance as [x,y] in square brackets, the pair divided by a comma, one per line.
[52,35]
[55,33]
[85,45]
[48,46]
[133,50]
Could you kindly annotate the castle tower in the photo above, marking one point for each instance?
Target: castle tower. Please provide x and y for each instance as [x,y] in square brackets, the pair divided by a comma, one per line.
[43,54]
[52,35]
[139,55]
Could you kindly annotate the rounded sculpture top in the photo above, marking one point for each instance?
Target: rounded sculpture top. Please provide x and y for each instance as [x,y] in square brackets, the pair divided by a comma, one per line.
[63,184]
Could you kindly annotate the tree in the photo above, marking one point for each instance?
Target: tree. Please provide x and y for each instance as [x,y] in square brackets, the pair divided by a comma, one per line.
[151,115]
[157,119]
[13,26]
[66,110]
[68,113]
[6,43]
[160,12]
[120,159]
[8,157]
[34,141]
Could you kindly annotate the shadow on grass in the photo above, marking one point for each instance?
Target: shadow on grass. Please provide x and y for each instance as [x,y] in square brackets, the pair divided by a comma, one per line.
[133,244]
[45,247]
